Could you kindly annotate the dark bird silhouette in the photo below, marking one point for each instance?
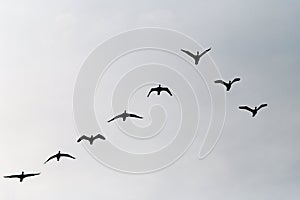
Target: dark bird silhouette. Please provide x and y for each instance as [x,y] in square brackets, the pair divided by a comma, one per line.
[229,84]
[124,115]
[91,139]
[197,56]
[159,89]
[58,156]
[253,111]
[22,176]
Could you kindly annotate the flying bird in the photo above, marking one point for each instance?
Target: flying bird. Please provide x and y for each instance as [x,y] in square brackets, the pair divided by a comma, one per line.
[22,176]
[229,84]
[197,56]
[58,156]
[124,115]
[91,139]
[253,111]
[159,89]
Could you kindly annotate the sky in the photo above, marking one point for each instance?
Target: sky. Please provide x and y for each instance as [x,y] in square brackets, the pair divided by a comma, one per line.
[43,46]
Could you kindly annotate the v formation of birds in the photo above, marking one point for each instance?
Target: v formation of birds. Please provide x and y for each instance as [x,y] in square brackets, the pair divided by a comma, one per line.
[123,116]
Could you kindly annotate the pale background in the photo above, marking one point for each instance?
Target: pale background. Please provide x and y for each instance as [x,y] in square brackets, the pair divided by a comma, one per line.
[43,45]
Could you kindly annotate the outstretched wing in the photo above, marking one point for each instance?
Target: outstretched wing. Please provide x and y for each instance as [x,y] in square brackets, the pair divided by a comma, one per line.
[220,81]
[168,91]
[236,80]
[262,105]
[28,175]
[188,53]
[135,116]
[83,138]
[12,176]
[50,159]
[67,155]
[204,52]
[151,90]
[100,137]
[245,108]
[116,117]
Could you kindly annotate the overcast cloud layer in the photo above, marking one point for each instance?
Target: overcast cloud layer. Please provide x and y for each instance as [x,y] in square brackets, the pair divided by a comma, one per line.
[44,44]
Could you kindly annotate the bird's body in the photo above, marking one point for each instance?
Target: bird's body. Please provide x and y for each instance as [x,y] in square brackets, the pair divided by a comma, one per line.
[124,116]
[197,56]
[253,111]
[159,89]
[229,84]
[22,176]
[91,139]
[58,156]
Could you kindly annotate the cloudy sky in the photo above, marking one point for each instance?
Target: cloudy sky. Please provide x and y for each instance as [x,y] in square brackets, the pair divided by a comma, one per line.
[43,46]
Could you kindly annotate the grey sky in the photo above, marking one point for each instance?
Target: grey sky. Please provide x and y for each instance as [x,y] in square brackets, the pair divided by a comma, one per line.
[44,44]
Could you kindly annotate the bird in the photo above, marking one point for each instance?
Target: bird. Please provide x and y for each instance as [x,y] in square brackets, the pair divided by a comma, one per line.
[124,115]
[197,56]
[22,176]
[58,156]
[253,111]
[159,89]
[91,139]
[229,84]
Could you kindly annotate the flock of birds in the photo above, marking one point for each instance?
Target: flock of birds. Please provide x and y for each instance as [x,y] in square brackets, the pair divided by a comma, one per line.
[159,89]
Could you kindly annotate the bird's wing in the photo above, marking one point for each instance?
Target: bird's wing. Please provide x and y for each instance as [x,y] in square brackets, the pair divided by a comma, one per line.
[83,138]
[245,108]
[112,119]
[100,137]
[135,116]
[50,158]
[116,117]
[28,175]
[151,90]
[236,80]
[220,81]
[188,53]
[168,91]
[67,155]
[204,52]
[262,105]
[12,176]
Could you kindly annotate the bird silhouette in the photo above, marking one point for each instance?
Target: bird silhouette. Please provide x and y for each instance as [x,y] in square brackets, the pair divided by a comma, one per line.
[124,115]
[197,56]
[159,89]
[58,156]
[91,139]
[22,176]
[253,111]
[229,84]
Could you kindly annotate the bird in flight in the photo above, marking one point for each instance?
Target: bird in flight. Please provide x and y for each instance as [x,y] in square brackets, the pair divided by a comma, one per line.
[229,84]
[253,111]
[58,156]
[124,115]
[197,56]
[22,176]
[91,139]
[159,89]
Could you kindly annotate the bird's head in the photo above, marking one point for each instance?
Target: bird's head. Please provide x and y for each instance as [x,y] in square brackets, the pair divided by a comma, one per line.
[159,85]
[125,111]
[22,172]
[197,53]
